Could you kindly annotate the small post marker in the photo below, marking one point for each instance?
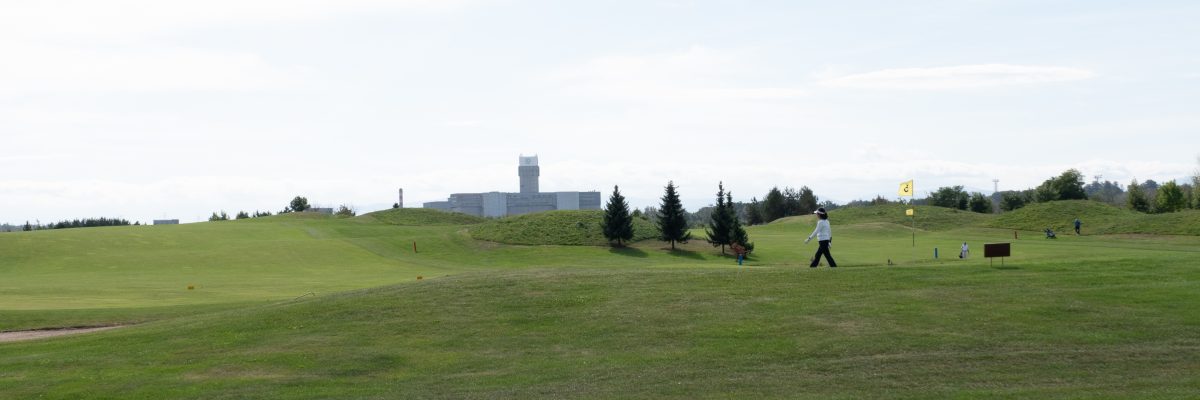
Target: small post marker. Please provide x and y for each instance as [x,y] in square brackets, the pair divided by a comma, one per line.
[414,246]
[935,253]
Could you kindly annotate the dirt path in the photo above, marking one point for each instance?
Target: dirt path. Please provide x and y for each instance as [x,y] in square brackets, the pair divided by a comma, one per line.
[17,336]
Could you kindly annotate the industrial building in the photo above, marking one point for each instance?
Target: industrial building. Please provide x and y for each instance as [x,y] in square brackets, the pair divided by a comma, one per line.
[528,200]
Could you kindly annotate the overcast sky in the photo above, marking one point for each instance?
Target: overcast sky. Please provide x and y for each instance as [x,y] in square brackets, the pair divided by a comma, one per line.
[148,109]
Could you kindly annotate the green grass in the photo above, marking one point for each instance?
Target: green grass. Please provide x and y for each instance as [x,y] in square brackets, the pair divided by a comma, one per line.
[568,227]
[1096,316]
[1098,218]
[420,217]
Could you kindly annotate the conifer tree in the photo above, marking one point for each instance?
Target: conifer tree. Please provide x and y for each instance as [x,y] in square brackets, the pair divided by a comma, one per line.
[719,224]
[672,218]
[618,224]
[754,212]
[774,205]
[737,234]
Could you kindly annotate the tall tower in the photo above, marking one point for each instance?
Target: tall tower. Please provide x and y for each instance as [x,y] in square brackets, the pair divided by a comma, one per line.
[529,171]
[401,202]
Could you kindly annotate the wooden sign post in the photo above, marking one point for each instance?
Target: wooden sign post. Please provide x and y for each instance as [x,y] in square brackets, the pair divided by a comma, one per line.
[1001,250]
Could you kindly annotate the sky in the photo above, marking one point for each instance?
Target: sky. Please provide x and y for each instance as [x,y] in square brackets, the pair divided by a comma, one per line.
[150,109]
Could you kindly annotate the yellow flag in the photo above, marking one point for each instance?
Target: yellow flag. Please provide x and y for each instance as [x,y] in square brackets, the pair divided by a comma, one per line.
[908,212]
[906,188]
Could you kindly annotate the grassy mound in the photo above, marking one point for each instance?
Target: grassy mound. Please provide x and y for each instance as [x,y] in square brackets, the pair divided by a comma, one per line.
[928,218]
[664,334]
[563,227]
[420,217]
[1097,218]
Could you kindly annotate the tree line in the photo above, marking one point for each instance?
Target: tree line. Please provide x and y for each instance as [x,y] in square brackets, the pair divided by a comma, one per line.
[77,223]
[1148,196]
[723,228]
[297,204]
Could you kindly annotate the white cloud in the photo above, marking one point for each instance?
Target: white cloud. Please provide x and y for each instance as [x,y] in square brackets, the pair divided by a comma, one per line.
[958,77]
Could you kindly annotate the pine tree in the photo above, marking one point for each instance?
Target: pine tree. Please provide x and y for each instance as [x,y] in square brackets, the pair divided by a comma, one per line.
[27,227]
[774,205]
[1136,198]
[808,201]
[672,218]
[618,224]
[754,212]
[737,234]
[718,227]
[242,215]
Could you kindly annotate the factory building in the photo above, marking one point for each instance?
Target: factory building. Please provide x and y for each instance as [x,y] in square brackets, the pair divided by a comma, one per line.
[528,200]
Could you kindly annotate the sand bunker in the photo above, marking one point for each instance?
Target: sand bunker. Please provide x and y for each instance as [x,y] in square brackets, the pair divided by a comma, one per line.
[17,336]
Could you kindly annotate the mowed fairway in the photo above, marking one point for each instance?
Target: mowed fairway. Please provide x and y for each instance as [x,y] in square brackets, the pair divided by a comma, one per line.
[1114,316]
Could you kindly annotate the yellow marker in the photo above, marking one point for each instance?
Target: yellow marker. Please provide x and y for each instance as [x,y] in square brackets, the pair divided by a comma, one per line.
[906,188]
[908,212]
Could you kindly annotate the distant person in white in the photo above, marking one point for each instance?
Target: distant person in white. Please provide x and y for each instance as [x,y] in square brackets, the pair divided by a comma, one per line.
[824,237]
[964,251]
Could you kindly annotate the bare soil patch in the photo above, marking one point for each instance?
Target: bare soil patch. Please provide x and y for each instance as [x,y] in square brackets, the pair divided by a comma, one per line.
[17,336]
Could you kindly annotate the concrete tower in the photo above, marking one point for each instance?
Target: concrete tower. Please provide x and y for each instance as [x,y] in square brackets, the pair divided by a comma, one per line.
[401,202]
[529,171]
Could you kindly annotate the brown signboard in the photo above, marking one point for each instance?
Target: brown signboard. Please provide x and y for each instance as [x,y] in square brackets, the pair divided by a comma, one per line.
[997,250]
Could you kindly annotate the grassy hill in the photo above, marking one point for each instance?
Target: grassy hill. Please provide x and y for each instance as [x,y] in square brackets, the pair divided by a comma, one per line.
[928,218]
[309,306]
[420,217]
[563,227]
[1093,331]
[1097,218]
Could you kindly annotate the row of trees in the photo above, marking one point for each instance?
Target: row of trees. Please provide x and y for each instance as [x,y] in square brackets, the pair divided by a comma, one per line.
[1147,197]
[671,219]
[78,223]
[298,204]
[781,203]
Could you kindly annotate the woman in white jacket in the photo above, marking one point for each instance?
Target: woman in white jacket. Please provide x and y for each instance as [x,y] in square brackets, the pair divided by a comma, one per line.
[824,237]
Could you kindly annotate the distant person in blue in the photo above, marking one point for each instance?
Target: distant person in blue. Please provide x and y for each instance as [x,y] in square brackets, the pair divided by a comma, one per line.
[824,237]
[1077,224]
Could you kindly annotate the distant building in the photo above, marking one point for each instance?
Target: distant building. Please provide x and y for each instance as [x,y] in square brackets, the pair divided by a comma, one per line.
[321,210]
[528,200]
[166,222]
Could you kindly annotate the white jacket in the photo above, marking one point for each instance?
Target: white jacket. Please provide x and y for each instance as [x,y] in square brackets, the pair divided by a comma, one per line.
[822,232]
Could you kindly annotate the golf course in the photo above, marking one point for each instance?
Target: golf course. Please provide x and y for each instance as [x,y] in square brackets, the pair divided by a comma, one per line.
[418,303]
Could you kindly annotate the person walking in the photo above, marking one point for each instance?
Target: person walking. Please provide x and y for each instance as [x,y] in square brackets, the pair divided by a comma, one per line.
[824,237]
[962,253]
[1077,224]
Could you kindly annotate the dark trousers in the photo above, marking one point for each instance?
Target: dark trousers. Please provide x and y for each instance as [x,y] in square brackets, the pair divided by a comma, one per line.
[823,249]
